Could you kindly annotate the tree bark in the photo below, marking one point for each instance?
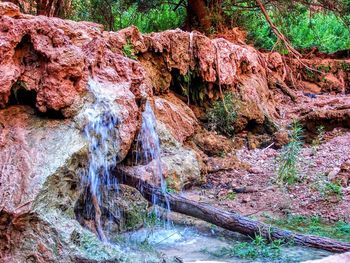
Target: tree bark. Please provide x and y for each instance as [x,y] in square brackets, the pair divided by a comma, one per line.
[197,12]
[228,220]
[56,8]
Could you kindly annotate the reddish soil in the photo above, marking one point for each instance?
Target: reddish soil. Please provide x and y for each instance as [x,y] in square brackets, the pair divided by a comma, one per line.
[259,171]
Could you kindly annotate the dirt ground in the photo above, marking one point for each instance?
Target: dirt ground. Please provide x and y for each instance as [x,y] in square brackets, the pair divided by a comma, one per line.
[251,189]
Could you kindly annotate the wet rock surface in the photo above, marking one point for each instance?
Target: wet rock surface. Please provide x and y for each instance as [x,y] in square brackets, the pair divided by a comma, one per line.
[40,160]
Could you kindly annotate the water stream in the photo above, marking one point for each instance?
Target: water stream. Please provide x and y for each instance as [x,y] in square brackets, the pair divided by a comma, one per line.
[101,134]
[187,243]
[193,244]
[148,150]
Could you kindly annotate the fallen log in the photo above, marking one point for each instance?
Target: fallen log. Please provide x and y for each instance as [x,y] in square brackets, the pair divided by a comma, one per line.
[227,220]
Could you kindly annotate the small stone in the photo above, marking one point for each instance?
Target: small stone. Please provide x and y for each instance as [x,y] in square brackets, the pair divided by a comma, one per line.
[246,199]
[281,138]
[333,173]
[342,177]
[255,170]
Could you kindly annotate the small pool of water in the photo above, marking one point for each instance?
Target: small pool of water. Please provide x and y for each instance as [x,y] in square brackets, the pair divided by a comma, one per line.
[189,244]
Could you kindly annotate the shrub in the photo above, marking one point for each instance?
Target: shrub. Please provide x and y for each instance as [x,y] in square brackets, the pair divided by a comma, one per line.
[319,138]
[223,114]
[314,225]
[128,50]
[287,167]
[331,189]
[303,28]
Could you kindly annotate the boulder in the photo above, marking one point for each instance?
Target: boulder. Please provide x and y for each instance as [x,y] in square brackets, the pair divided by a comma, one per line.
[332,83]
[123,209]
[310,87]
[178,118]
[41,162]
[342,177]
[179,165]
[281,138]
[329,117]
[213,144]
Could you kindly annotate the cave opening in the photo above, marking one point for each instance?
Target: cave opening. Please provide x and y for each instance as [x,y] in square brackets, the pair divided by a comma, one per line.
[190,87]
[20,95]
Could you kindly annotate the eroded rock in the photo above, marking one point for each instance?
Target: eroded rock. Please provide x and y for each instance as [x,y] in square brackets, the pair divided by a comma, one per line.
[41,162]
[342,177]
[176,115]
[60,55]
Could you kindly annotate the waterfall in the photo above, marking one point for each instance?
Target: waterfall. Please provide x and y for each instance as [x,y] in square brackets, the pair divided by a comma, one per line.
[101,133]
[148,149]
[191,46]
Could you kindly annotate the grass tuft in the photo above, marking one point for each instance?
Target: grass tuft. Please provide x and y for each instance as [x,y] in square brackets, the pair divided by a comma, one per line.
[258,248]
[314,225]
[287,161]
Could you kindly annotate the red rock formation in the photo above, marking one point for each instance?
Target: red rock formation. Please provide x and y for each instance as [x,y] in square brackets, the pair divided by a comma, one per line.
[343,176]
[55,58]
[176,115]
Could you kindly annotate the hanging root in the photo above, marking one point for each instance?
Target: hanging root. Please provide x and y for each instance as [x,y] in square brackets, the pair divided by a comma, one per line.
[98,218]
[283,38]
[219,81]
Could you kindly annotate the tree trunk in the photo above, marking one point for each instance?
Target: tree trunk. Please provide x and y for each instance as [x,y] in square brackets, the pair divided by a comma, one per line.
[197,13]
[227,220]
[56,8]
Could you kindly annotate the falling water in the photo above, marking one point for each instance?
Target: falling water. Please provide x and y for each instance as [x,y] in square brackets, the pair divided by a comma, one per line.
[148,149]
[191,46]
[101,133]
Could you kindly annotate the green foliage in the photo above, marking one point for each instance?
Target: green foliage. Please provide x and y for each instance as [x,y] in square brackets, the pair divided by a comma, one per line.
[151,220]
[223,114]
[287,161]
[231,196]
[192,86]
[169,188]
[319,138]
[330,189]
[92,246]
[128,50]
[257,248]
[324,68]
[311,75]
[156,19]
[304,28]
[345,66]
[147,16]
[314,225]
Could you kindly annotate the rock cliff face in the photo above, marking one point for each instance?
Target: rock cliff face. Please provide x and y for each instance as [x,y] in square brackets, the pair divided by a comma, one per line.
[52,59]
